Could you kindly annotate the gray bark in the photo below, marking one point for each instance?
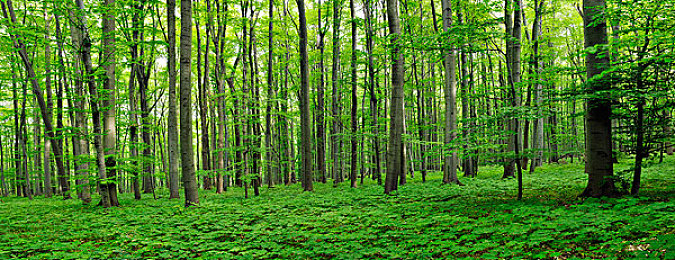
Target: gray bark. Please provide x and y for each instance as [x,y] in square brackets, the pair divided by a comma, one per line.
[187,154]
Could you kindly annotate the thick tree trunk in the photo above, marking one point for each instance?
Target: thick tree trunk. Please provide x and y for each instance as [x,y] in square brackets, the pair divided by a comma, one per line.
[599,107]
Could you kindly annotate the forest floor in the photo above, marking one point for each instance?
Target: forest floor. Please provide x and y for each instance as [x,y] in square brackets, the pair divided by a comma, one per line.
[423,220]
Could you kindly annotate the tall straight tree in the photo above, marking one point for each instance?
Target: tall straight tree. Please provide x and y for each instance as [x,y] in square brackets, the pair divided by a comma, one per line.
[172,123]
[108,101]
[48,89]
[355,100]
[538,131]
[599,165]
[395,156]
[374,114]
[186,152]
[305,134]
[8,11]
[222,143]
[450,91]
[320,104]
[335,71]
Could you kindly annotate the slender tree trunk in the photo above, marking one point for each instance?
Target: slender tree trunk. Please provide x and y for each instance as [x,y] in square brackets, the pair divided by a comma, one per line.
[395,154]
[48,89]
[376,170]
[354,155]
[450,91]
[335,150]
[320,108]
[8,11]
[188,168]
[222,143]
[538,133]
[513,32]
[305,134]
[109,103]
[85,57]
[3,183]
[172,124]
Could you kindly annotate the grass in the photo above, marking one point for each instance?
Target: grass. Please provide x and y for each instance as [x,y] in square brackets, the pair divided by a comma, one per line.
[422,221]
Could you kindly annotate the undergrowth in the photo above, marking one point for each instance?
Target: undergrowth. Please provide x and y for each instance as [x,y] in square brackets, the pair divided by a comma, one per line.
[421,221]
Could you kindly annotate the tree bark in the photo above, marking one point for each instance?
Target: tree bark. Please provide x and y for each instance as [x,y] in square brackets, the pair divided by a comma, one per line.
[336,147]
[450,91]
[538,131]
[8,11]
[374,114]
[395,154]
[305,134]
[172,124]
[599,165]
[355,101]
[108,102]
[188,168]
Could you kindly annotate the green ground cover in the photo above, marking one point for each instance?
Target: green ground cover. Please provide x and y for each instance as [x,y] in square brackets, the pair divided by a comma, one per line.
[422,221]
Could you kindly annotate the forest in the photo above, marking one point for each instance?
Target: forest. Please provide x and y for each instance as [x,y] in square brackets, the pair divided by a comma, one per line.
[347,129]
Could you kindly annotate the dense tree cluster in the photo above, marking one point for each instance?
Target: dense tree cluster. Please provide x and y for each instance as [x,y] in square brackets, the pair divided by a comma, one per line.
[91,102]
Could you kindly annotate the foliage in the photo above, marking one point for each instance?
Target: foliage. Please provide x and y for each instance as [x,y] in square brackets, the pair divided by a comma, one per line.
[425,220]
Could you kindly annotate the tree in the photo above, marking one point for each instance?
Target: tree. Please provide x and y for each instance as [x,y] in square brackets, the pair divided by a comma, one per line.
[186,152]
[538,131]
[85,58]
[109,126]
[450,91]
[395,155]
[355,101]
[8,11]
[172,124]
[305,134]
[599,165]
[335,71]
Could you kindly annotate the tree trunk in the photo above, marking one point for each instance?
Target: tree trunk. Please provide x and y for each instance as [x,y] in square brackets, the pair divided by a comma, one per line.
[395,154]
[599,107]
[188,168]
[354,130]
[108,102]
[376,170]
[450,91]
[305,134]
[8,11]
[172,123]
[48,89]
[538,132]
[336,147]
[85,57]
